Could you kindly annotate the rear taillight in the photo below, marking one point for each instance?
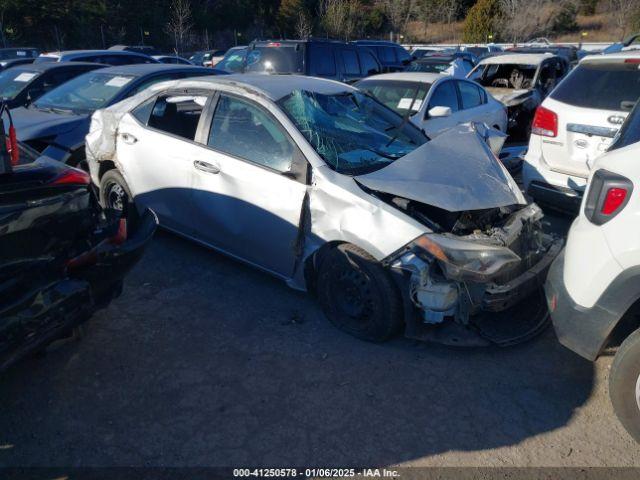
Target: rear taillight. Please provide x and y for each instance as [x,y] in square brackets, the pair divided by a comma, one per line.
[73,176]
[632,60]
[608,194]
[545,123]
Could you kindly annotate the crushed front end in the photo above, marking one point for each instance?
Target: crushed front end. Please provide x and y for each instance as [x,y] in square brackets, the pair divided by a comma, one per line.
[477,280]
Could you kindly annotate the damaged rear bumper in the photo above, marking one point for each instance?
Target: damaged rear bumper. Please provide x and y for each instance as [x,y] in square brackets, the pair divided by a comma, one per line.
[39,302]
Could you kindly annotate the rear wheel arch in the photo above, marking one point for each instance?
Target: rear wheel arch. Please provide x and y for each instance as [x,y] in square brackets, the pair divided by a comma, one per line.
[104,167]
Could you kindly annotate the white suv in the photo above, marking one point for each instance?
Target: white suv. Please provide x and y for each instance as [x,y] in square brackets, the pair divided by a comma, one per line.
[576,124]
[593,287]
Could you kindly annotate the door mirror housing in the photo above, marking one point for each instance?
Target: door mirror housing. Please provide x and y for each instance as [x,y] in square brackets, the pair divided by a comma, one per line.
[438,112]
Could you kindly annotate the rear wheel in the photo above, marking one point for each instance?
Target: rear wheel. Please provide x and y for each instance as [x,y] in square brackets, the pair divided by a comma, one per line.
[357,294]
[624,384]
[116,195]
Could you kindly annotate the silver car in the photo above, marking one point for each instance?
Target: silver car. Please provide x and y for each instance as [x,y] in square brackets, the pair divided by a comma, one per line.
[319,184]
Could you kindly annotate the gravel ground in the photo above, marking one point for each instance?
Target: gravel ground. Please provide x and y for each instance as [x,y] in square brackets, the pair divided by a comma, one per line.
[206,362]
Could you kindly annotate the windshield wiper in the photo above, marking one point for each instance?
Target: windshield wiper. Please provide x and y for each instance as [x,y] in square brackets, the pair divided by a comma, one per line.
[53,109]
[405,119]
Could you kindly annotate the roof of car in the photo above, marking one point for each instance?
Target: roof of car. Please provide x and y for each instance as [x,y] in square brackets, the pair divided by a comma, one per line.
[622,56]
[44,66]
[422,77]
[517,58]
[276,87]
[67,53]
[141,69]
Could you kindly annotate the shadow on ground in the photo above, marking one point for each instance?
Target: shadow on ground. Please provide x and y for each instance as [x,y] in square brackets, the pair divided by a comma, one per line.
[204,361]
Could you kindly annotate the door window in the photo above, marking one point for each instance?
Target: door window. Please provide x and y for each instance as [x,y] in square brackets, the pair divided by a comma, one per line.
[322,61]
[470,94]
[245,130]
[445,95]
[176,114]
[351,65]
[369,63]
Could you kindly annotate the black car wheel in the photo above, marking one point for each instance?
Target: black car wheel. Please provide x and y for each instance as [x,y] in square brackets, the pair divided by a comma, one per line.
[357,294]
[624,384]
[115,195]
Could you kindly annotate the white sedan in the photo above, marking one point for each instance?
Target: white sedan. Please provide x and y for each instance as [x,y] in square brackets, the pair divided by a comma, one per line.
[318,184]
[437,102]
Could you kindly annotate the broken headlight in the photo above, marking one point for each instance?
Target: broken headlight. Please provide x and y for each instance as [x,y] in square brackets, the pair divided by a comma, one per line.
[465,260]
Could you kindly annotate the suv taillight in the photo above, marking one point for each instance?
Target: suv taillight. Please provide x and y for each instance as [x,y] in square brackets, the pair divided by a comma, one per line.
[545,123]
[608,194]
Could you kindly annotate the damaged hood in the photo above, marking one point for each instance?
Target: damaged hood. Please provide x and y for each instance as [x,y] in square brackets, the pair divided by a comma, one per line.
[456,171]
[509,96]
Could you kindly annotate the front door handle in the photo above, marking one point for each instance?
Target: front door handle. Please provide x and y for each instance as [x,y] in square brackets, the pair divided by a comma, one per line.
[128,138]
[206,167]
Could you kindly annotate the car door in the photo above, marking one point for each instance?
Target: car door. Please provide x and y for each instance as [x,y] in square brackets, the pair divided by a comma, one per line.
[156,148]
[249,183]
[443,94]
[474,106]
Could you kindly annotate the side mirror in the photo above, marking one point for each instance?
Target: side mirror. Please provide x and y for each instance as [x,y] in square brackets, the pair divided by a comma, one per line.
[437,112]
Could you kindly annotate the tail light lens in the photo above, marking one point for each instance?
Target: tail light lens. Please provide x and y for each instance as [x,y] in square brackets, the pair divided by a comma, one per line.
[72,176]
[545,123]
[608,194]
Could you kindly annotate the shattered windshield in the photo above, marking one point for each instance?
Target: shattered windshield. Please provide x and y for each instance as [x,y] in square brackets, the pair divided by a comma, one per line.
[351,131]
[505,75]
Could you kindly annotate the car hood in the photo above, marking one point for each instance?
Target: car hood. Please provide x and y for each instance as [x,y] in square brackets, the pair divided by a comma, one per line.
[31,123]
[457,171]
[509,96]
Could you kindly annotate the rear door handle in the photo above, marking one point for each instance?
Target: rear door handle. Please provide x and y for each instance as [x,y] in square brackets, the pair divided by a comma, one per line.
[206,167]
[128,138]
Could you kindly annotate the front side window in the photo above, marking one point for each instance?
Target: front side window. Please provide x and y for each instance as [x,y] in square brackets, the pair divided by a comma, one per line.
[471,95]
[397,95]
[445,95]
[369,63]
[244,130]
[352,132]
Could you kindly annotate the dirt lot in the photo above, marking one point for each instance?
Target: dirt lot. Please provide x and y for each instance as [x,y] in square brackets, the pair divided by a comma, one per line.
[204,361]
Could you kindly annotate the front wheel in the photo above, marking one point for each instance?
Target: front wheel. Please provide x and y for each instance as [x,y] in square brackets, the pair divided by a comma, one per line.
[624,384]
[115,195]
[357,294]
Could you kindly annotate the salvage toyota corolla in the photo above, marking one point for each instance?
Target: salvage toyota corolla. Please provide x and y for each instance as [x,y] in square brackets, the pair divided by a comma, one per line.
[323,186]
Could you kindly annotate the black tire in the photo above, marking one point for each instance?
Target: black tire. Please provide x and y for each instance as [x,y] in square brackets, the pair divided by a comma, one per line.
[624,384]
[357,294]
[116,195]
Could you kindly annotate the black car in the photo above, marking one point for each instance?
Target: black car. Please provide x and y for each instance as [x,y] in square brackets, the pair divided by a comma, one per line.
[392,57]
[61,256]
[107,57]
[23,84]
[58,121]
[342,61]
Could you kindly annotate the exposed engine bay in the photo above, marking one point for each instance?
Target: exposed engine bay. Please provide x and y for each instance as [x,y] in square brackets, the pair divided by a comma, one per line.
[454,301]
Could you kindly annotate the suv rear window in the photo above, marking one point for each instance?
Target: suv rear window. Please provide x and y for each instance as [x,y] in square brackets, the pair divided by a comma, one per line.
[275,58]
[601,85]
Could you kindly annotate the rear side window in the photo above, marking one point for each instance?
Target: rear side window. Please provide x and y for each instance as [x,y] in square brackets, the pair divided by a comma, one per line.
[445,95]
[601,85]
[471,95]
[176,114]
[275,58]
[368,63]
[386,54]
[351,65]
[402,54]
[322,61]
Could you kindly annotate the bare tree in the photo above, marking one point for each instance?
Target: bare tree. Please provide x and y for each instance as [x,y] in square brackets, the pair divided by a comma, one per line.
[304,25]
[180,22]
[340,18]
[399,13]
[523,19]
[622,12]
